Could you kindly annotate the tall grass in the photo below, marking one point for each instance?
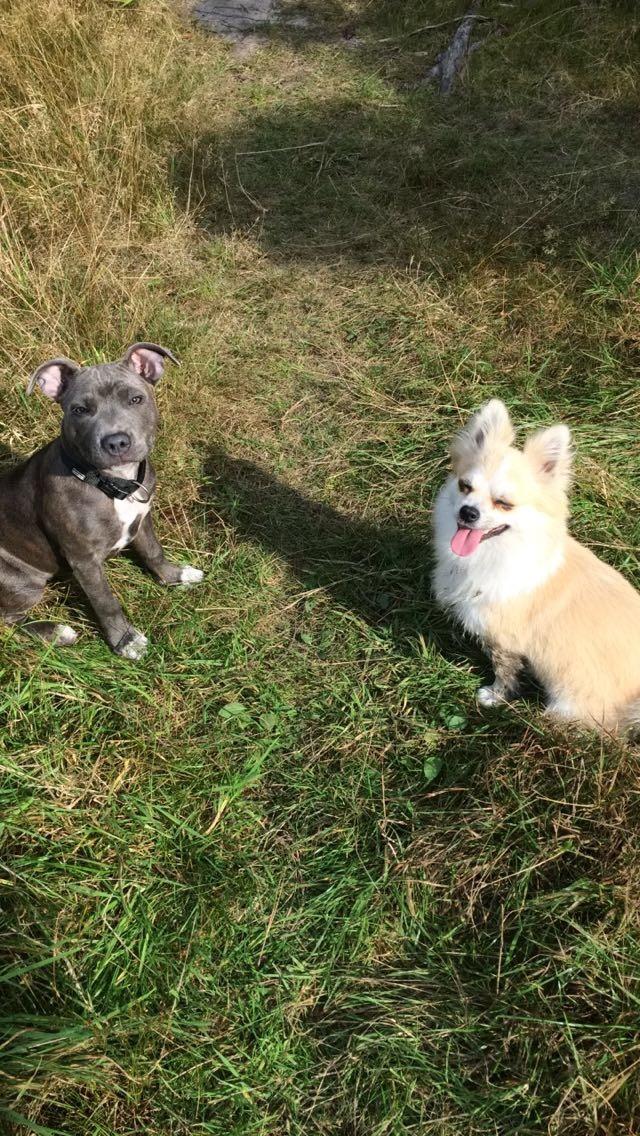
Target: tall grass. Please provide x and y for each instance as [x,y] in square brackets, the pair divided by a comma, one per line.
[87,218]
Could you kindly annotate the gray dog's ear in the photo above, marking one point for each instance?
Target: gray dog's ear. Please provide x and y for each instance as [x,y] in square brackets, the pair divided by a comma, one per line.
[147,360]
[52,377]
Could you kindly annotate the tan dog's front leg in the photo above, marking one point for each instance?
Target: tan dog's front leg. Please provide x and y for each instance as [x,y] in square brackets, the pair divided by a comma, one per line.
[507,667]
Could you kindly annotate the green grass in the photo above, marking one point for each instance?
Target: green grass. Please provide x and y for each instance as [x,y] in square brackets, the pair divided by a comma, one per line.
[284,877]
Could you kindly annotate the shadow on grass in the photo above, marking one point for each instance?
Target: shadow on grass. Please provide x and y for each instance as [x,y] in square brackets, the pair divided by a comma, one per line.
[411,178]
[379,571]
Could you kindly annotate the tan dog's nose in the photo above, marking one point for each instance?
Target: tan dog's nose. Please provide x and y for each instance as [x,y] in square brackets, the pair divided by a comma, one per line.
[469,514]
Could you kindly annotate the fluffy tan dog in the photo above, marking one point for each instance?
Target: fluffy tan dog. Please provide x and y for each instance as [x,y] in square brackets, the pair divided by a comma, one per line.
[513,576]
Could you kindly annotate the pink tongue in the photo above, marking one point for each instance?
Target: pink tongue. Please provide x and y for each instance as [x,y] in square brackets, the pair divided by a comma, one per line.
[466,541]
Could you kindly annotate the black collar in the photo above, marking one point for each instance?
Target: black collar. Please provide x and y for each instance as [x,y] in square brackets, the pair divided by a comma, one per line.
[118,488]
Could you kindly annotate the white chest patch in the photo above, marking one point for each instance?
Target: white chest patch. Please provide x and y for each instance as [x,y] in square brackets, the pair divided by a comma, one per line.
[128,513]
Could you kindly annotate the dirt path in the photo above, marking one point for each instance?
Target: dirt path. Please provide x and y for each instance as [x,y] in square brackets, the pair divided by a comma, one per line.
[239,19]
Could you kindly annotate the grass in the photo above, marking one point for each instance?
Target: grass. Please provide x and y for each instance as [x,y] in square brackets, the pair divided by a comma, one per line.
[284,878]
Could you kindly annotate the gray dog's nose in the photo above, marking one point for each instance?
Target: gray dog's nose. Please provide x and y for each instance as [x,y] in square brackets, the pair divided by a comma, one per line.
[116,445]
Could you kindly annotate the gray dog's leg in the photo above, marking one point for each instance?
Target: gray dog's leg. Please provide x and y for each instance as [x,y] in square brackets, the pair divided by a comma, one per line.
[120,635]
[20,590]
[507,667]
[149,550]
[58,633]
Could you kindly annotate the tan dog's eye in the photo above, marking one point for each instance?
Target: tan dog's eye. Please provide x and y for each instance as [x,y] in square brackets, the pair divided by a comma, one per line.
[500,504]
[464,486]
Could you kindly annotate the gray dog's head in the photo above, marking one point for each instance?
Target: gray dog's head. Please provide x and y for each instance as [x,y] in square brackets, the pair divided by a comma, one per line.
[109,412]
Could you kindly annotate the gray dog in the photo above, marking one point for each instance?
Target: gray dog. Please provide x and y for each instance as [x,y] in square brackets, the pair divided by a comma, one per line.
[87,495]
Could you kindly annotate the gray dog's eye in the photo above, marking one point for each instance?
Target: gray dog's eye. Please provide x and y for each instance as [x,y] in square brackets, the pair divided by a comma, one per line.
[79,410]
[135,399]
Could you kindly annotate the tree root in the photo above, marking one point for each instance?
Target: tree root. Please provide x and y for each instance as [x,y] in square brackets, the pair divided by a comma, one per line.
[453,59]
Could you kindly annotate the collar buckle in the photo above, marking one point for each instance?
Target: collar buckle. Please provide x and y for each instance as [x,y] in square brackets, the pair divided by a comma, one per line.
[116,488]
[141,488]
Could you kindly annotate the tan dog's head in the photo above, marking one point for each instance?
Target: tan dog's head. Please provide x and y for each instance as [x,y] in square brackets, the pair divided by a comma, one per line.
[497,489]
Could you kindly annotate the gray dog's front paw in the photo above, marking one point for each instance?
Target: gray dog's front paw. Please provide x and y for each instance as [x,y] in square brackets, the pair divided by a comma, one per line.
[132,645]
[190,576]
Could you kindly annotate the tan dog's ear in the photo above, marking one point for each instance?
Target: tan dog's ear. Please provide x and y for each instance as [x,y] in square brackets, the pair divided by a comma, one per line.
[147,360]
[549,453]
[489,427]
[52,377]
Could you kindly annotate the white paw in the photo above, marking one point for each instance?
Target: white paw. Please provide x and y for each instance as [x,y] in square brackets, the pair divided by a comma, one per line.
[189,575]
[487,696]
[63,635]
[135,647]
